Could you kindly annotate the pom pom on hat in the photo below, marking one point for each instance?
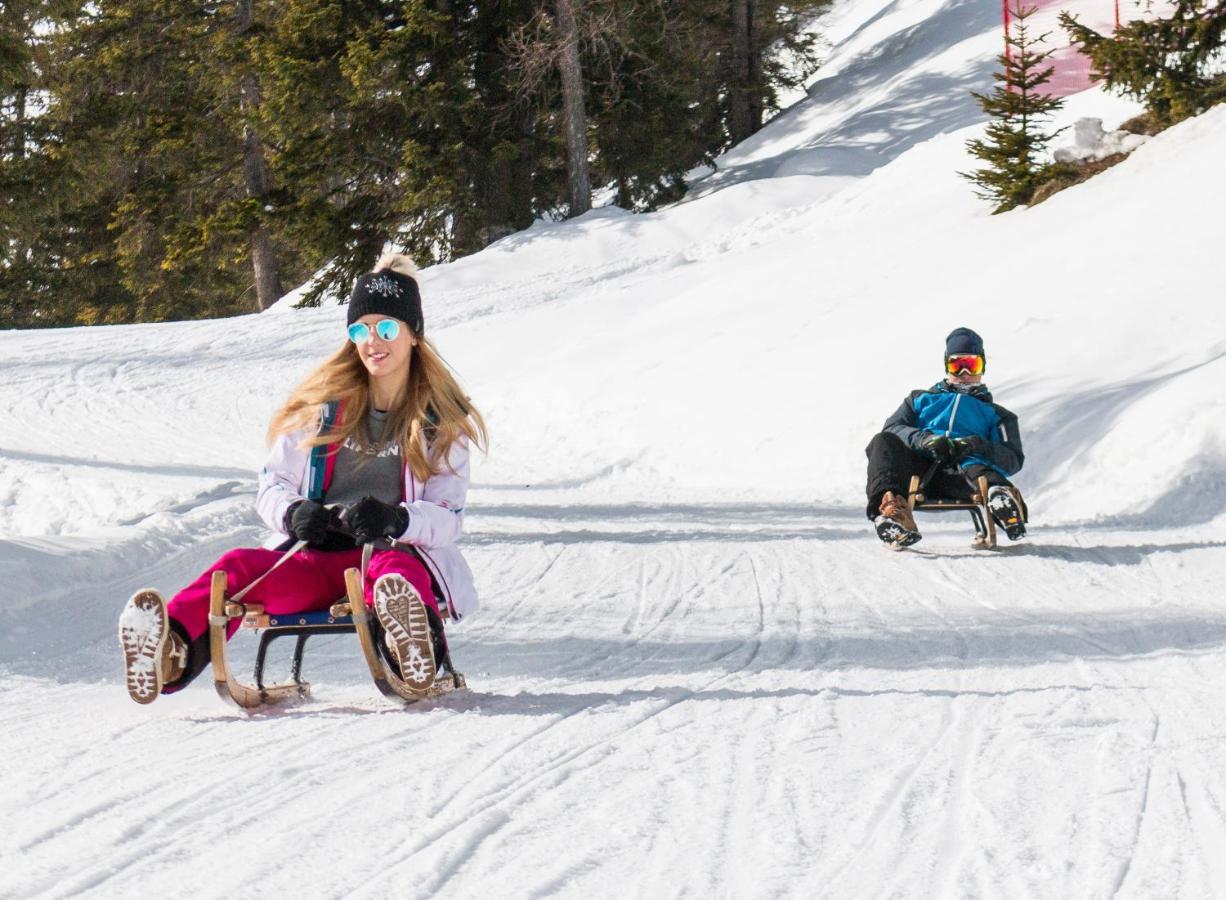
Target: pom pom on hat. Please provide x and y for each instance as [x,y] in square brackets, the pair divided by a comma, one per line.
[397,262]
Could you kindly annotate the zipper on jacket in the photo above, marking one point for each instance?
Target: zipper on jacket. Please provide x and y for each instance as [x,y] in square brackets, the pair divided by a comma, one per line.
[953,416]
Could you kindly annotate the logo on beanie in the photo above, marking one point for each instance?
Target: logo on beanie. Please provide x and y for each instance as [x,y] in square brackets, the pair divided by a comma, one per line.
[383,286]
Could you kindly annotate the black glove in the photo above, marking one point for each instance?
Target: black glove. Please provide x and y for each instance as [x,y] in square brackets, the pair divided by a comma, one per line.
[939,447]
[973,445]
[308,521]
[370,519]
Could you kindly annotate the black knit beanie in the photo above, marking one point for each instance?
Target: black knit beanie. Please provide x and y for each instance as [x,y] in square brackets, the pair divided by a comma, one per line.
[387,293]
[963,342]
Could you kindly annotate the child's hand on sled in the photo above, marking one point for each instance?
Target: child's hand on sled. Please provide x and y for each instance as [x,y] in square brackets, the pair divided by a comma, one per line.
[969,446]
[370,519]
[939,447]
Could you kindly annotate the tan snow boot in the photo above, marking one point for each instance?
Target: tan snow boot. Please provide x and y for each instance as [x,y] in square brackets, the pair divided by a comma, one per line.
[403,616]
[895,507]
[153,655]
[896,525]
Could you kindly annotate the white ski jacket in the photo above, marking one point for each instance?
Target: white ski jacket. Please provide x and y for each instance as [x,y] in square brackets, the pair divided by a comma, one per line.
[436,512]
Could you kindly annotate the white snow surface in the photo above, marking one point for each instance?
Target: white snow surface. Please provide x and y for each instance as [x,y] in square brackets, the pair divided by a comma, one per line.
[696,672]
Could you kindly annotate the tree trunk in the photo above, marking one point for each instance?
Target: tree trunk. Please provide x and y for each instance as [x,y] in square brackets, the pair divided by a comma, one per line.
[264,262]
[740,84]
[19,123]
[574,113]
[757,102]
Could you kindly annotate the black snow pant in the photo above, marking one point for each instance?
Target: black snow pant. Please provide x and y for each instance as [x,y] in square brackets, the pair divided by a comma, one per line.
[891,463]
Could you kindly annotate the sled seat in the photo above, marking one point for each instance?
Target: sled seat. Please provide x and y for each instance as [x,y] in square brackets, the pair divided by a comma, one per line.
[976,505]
[255,618]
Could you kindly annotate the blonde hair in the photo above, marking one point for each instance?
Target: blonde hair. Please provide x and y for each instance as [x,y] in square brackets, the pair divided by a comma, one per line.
[433,412]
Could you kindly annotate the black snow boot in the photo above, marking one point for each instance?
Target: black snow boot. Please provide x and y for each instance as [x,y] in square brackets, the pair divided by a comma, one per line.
[1007,511]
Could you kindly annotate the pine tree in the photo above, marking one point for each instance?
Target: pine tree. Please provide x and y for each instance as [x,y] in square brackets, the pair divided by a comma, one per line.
[653,118]
[185,160]
[1015,141]
[512,151]
[49,268]
[366,107]
[763,47]
[157,210]
[638,97]
[1170,64]
[142,144]
[23,268]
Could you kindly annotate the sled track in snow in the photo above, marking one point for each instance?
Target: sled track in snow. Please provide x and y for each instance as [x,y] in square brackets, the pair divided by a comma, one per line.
[734,702]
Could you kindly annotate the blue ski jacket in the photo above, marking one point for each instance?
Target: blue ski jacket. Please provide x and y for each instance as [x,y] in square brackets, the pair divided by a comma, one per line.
[961,412]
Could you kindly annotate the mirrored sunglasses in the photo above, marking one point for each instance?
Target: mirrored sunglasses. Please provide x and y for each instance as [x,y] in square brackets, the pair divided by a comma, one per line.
[387,329]
[956,365]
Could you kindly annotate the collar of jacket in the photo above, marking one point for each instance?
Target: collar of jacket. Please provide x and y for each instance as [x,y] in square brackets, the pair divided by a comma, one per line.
[978,391]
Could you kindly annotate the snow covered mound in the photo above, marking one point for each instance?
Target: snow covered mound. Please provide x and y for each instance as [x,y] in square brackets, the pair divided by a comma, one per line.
[1090,141]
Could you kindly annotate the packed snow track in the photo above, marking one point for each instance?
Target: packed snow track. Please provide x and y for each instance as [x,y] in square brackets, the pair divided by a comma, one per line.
[697,700]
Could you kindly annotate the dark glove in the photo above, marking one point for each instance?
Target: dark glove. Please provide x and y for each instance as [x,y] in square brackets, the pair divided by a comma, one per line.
[939,447]
[370,519]
[973,445]
[308,521]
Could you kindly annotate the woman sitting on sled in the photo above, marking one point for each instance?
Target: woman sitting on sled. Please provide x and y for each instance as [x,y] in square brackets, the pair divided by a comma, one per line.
[372,446]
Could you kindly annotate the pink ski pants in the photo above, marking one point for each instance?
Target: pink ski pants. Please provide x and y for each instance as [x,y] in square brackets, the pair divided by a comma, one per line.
[310,580]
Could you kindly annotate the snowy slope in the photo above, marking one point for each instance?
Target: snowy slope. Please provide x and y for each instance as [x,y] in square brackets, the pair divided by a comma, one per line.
[695,672]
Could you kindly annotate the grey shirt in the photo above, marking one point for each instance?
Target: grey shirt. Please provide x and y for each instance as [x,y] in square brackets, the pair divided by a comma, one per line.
[375,469]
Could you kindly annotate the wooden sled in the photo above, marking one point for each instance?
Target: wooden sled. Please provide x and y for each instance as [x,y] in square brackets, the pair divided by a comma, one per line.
[348,615]
[977,505]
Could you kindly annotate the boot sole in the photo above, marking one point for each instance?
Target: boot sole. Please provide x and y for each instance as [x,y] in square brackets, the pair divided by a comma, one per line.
[403,616]
[144,626]
[1008,515]
[897,537]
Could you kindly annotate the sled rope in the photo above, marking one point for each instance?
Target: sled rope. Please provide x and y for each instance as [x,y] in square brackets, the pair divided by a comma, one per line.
[238,598]
[932,470]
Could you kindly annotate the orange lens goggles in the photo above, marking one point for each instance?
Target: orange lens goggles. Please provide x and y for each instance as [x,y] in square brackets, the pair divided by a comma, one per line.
[970,365]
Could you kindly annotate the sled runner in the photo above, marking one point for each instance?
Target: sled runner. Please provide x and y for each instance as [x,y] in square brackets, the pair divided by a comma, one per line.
[347,615]
[977,506]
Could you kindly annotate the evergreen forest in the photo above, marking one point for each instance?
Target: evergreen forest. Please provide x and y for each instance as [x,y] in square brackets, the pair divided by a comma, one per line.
[178,159]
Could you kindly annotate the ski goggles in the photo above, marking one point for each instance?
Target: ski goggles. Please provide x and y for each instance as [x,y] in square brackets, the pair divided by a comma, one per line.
[971,365]
[387,329]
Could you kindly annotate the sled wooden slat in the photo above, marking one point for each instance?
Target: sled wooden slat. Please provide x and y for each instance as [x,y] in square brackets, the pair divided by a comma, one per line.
[229,688]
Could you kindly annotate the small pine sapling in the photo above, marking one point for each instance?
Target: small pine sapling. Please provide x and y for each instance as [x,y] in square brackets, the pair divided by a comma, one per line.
[1015,144]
